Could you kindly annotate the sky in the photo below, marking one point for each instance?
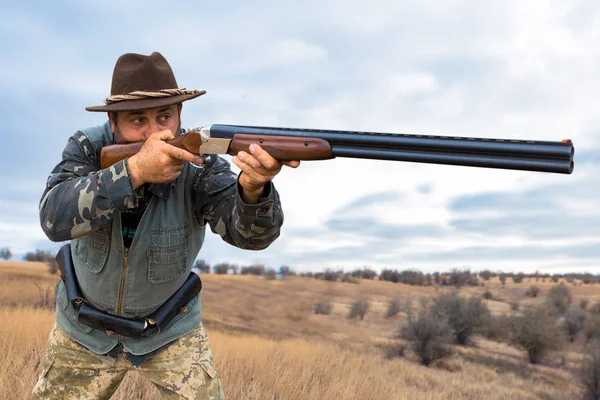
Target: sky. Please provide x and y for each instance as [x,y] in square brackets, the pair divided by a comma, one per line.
[488,69]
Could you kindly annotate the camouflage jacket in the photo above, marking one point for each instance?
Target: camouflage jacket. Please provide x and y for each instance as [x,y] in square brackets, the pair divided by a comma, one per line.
[83,203]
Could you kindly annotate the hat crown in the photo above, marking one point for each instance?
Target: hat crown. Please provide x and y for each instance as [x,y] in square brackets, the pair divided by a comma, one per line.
[137,72]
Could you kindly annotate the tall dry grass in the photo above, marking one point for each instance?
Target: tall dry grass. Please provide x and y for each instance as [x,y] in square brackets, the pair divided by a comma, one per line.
[268,344]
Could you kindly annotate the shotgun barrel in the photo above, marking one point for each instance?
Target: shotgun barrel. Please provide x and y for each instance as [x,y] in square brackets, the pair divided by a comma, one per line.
[528,155]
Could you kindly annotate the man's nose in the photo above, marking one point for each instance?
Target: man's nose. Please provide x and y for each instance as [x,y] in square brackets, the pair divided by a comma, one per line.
[153,128]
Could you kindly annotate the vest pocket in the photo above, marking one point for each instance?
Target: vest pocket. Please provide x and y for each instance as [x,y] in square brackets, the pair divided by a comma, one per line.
[167,257]
[92,249]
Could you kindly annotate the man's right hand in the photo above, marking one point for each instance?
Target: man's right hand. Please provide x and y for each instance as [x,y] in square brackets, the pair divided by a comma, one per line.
[159,162]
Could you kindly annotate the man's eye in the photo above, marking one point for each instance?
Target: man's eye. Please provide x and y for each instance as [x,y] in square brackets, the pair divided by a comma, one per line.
[164,118]
[137,120]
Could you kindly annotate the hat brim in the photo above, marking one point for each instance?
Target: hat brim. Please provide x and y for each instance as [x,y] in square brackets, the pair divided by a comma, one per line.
[144,104]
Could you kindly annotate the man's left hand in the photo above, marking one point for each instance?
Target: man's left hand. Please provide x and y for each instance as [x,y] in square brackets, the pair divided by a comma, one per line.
[258,169]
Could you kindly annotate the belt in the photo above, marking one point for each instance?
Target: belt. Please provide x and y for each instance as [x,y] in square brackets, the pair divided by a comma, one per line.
[131,327]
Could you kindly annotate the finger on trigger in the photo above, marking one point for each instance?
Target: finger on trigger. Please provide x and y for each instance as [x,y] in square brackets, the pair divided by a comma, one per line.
[184,155]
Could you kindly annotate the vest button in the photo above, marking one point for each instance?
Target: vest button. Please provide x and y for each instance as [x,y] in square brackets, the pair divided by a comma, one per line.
[109,332]
[137,314]
[183,309]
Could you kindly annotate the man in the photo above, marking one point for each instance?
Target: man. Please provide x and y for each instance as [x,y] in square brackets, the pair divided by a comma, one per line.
[136,228]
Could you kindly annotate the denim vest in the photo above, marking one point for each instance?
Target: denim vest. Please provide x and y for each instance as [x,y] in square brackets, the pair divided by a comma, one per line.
[133,283]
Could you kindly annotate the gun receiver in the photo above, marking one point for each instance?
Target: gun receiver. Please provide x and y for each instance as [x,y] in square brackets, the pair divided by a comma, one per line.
[287,144]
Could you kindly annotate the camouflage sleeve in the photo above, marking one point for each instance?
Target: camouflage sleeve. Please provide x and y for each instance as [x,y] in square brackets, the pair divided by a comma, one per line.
[78,197]
[218,201]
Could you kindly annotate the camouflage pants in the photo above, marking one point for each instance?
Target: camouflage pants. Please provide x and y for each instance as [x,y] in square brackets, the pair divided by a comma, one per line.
[184,370]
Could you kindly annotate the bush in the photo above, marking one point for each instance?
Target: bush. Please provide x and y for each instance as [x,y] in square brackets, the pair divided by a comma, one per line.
[533,291]
[393,308]
[365,273]
[502,278]
[5,253]
[270,274]
[592,328]
[583,304]
[574,322]
[487,295]
[221,269]
[285,271]
[257,269]
[595,309]
[359,309]
[202,266]
[518,278]
[535,332]
[560,298]
[462,278]
[429,336]
[322,306]
[486,275]
[395,349]
[465,316]
[590,369]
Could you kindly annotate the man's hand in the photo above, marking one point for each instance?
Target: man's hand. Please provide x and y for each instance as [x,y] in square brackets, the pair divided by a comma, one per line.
[258,169]
[159,162]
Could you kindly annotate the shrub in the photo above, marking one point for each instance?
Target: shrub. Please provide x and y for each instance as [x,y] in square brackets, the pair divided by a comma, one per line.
[514,305]
[221,269]
[5,253]
[535,332]
[465,316]
[518,278]
[359,309]
[285,271]
[365,273]
[322,306]
[487,295]
[461,278]
[574,322]
[202,266]
[270,274]
[583,304]
[533,291]
[502,278]
[595,309]
[429,336]
[590,369]
[393,308]
[560,298]
[486,275]
[592,328]
[395,349]
[257,269]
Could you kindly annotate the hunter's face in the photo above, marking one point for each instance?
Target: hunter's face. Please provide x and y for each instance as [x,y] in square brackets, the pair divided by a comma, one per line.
[137,126]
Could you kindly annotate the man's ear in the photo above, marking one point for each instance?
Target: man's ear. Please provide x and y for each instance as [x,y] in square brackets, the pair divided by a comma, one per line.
[113,123]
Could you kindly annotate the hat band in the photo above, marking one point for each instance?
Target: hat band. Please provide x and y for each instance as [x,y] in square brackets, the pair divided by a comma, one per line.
[139,95]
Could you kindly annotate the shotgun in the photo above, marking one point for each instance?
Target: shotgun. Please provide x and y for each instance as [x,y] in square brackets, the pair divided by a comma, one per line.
[286,144]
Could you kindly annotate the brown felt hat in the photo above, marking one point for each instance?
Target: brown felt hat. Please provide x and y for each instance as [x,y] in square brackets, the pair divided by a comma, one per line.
[140,82]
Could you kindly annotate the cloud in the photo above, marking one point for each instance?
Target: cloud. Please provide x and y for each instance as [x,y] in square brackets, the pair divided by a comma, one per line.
[513,69]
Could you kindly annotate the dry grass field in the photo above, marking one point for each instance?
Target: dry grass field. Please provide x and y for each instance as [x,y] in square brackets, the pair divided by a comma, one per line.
[268,343]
